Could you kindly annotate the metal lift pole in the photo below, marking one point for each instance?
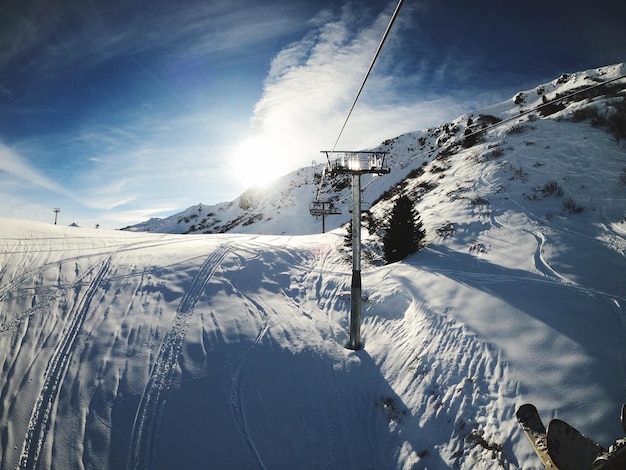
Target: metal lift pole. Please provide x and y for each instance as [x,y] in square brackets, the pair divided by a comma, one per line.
[355,291]
[356,164]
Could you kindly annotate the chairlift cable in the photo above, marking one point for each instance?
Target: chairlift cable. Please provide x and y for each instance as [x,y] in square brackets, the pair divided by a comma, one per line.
[380,46]
[454,142]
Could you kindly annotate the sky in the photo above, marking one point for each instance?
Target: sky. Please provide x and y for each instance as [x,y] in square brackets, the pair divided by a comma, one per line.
[116,112]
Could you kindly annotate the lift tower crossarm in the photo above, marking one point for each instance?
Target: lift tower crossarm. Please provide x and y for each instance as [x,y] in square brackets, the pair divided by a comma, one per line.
[359,162]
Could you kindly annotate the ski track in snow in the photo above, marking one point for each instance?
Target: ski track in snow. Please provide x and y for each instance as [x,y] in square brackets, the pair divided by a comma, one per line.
[40,418]
[543,267]
[237,376]
[331,422]
[10,326]
[151,409]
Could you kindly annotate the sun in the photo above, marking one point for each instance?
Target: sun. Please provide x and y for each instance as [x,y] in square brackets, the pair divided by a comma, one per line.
[257,161]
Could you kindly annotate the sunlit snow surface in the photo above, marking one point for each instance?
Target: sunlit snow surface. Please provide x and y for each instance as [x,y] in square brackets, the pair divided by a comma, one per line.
[136,350]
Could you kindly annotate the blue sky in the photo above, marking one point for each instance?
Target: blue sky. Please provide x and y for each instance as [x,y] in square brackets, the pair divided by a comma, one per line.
[116,112]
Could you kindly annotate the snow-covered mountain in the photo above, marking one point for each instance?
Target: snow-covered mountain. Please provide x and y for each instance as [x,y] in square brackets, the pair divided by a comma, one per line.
[127,349]
[544,115]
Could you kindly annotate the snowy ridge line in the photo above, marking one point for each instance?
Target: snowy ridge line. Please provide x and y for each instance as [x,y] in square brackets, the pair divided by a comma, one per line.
[42,411]
[485,130]
[149,417]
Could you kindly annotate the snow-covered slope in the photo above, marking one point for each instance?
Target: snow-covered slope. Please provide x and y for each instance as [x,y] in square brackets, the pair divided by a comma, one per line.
[144,350]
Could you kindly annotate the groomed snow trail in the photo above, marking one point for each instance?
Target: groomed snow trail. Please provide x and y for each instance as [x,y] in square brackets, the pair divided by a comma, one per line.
[149,415]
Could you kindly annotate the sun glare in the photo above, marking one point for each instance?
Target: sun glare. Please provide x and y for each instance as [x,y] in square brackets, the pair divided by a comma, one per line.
[257,161]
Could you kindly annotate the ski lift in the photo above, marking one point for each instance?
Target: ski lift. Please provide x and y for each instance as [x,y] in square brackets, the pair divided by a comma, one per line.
[323,208]
[365,206]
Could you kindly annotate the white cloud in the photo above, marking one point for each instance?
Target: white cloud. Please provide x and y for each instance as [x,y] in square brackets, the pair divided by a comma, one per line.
[15,165]
[312,84]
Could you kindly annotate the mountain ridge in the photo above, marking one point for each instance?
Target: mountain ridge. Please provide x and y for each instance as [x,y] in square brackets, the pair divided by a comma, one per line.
[569,98]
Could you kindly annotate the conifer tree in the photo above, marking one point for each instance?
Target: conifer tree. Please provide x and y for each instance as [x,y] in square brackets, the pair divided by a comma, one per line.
[347,238]
[405,232]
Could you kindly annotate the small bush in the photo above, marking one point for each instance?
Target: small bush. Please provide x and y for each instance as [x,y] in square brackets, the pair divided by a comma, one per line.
[438,169]
[479,201]
[518,129]
[393,411]
[617,121]
[494,154]
[428,186]
[570,206]
[476,437]
[415,173]
[519,174]
[582,114]
[341,182]
[386,195]
[552,188]
[470,138]
[446,230]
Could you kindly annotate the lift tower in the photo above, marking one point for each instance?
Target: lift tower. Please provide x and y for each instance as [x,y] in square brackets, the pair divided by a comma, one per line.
[356,164]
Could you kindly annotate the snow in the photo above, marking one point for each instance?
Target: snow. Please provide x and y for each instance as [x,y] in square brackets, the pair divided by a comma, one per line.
[138,349]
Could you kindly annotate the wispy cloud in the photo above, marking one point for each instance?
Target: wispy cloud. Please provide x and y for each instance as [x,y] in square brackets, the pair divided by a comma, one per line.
[15,165]
[4,91]
[313,82]
[48,41]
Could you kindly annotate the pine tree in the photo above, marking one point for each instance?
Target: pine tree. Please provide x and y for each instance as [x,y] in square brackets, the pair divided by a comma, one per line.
[405,232]
[347,238]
